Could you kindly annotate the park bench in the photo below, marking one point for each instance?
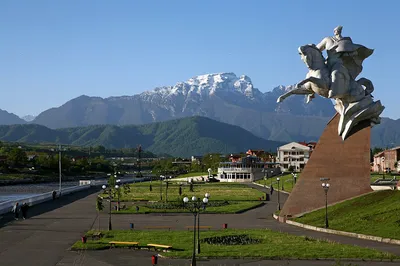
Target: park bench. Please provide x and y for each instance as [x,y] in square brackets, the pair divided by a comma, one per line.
[200,227]
[96,235]
[159,227]
[124,243]
[155,246]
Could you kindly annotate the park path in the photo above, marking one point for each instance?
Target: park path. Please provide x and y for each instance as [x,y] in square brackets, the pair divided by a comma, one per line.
[44,238]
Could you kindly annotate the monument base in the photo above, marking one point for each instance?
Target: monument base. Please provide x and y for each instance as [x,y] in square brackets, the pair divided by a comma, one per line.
[346,164]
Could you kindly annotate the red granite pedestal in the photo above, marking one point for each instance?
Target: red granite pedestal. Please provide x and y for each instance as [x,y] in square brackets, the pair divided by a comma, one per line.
[346,163]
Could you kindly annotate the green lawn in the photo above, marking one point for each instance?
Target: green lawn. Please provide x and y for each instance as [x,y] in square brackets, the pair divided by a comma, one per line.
[285,181]
[271,245]
[229,207]
[218,191]
[224,198]
[375,214]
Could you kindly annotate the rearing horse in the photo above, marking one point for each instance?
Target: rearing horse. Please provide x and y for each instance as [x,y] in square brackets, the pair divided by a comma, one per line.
[319,80]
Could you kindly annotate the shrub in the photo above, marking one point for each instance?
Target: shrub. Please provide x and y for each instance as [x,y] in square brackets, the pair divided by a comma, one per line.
[231,240]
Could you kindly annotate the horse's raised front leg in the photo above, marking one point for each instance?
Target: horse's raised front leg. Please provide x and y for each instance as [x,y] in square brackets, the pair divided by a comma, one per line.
[299,90]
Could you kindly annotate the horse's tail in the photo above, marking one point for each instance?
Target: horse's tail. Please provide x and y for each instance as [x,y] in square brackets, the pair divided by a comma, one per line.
[369,87]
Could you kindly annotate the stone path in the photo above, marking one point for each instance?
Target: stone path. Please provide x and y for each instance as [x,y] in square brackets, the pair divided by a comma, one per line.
[44,238]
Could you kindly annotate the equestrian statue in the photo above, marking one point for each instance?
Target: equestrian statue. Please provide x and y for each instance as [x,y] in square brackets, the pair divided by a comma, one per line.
[335,78]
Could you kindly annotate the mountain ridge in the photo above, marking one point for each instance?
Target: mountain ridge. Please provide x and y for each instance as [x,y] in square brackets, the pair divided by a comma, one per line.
[179,137]
[224,97]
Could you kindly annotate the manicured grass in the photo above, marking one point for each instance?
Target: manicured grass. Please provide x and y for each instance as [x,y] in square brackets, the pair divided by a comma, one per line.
[375,214]
[272,245]
[288,184]
[376,176]
[225,198]
[285,182]
[231,207]
[218,191]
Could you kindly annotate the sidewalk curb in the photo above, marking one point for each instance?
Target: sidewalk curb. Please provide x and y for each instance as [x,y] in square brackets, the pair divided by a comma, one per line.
[343,233]
[281,191]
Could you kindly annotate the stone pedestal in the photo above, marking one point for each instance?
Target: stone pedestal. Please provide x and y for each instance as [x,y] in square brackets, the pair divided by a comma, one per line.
[346,163]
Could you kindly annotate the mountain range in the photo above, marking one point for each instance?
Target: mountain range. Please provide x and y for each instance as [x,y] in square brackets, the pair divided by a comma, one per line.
[223,97]
[180,137]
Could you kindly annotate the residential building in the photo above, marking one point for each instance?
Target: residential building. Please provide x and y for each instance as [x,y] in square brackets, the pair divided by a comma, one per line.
[387,161]
[294,155]
[196,158]
[246,168]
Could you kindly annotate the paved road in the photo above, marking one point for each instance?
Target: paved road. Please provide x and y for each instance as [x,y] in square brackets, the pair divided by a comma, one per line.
[53,227]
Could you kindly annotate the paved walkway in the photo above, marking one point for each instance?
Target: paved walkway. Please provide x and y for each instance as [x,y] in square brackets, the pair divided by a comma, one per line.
[53,227]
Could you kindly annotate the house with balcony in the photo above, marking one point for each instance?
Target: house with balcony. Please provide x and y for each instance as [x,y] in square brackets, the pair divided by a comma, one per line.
[294,155]
[387,161]
[247,168]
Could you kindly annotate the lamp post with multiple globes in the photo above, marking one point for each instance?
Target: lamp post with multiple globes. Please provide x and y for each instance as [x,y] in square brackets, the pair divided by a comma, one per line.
[326,186]
[194,206]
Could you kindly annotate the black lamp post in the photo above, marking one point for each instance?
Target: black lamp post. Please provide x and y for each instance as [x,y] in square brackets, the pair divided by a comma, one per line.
[161,179]
[265,178]
[279,202]
[194,207]
[109,213]
[326,186]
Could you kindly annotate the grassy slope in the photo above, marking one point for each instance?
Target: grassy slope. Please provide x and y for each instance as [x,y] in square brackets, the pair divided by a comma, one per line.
[375,214]
[286,179]
[274,245]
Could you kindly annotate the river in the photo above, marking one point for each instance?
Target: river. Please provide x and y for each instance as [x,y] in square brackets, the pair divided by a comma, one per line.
[14,192]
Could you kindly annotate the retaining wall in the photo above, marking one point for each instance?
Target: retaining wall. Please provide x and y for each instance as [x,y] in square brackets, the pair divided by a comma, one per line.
[8,205]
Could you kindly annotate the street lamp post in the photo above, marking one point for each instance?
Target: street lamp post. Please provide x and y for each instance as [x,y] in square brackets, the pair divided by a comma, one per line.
[279,202]
[293,174]
[109,213]
[117,188]
[326,186]
[161,178]
[207,196]
[194,207]
[265,178]
[60,149]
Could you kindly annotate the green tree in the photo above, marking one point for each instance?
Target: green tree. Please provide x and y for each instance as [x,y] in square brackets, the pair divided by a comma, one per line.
[17,157]
[100,149]
[99,208]
[111,181]
[376,150]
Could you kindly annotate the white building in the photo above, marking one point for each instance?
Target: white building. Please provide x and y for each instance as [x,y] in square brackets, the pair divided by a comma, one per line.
[294,155]
[247,169]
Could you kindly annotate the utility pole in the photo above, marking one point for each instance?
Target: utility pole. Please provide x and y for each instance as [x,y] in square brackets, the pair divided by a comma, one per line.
[139,149]
[59,168]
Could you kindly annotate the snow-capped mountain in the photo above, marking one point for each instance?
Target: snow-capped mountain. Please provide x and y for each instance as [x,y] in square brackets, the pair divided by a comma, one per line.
[28,118]
[222,96]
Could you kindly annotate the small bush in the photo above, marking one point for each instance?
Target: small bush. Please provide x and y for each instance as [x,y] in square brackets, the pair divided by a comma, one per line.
[231,240]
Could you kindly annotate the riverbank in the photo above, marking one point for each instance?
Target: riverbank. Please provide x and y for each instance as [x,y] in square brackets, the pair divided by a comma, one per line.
[24,180]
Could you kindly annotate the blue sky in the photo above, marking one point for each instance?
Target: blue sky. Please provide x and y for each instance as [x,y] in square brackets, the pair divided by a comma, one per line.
[53,51]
